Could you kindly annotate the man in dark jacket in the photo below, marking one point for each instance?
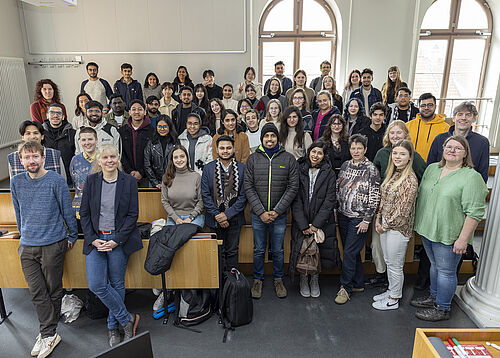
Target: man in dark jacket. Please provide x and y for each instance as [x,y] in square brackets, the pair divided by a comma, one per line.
[224,199]
[129,88]
[271,184]
[135,135]
[59,134]
[183,109]
[403,109]
[376,130]
[367,94]
[213,90]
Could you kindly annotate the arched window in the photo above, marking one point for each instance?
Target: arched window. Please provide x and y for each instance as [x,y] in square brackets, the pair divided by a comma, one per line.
[453,50]
[301,33]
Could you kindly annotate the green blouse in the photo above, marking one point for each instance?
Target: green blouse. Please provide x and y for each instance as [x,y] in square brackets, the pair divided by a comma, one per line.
[443,204]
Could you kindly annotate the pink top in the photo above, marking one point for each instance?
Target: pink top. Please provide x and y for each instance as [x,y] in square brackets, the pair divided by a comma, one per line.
[318,125]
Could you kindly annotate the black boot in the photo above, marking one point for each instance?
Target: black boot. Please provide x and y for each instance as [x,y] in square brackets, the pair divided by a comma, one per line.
[378,280]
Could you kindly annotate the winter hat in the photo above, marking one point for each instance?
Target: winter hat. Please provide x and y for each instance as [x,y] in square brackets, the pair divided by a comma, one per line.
[268,127]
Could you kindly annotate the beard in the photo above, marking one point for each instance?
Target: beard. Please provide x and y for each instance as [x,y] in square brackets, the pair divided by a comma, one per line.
[34,169]
[93,120]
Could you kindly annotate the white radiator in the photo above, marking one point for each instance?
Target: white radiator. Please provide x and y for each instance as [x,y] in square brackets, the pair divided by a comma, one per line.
[14,100]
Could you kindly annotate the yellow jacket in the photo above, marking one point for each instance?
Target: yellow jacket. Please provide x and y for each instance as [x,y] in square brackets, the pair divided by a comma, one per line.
[423,133]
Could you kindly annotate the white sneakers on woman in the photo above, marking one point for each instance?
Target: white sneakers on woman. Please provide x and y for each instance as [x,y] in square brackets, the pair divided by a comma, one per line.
[384,302]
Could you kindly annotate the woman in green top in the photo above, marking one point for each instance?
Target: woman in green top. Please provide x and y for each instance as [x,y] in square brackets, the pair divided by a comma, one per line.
[450,204]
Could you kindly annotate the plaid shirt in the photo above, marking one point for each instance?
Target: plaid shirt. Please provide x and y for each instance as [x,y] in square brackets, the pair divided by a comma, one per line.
[52,162]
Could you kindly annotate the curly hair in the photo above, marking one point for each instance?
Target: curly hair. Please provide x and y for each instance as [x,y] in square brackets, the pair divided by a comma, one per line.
[38,90]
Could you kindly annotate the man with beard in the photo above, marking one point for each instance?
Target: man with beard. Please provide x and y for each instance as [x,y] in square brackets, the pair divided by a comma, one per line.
[426,125]
[42,204]
[224,199]
[60,135]
[367,94]
[106,133]
[118,114]
[403,109]
[97,88]
[152,106]
[183,109]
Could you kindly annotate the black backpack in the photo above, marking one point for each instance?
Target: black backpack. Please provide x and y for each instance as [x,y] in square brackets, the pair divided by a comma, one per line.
[195,307]
[94,307]
[236,307]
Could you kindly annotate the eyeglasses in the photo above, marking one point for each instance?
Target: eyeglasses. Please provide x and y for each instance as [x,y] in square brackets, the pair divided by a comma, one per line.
[453,149]
[244,106]
[428,105]
[90,111]
[53,113]
[192,124]
[297,98]
[336,124]
[404,95]
[162,127]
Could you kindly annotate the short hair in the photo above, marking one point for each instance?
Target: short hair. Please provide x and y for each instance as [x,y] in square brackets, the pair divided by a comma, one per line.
[195,115]
[425,96]
[248,69]
[89,130]
[105,148]
[91,64]
[125,65]
[367,70]
[30,146]
[358,138]
[466,106]
[25,124]
[56,105]
[138,101]
[93,103]
[467,161]
[318,144]
[405,89]
[186,88]
[325,62]
[225,138]
[279,63]
[228,85]
[167,84]
[208,73]
[115,95]
[378,106]
[151,98]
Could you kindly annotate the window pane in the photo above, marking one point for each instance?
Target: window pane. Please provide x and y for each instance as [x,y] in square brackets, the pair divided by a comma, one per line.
[465,70]
[312,53]
[315,17]
[472,16]
[437,16]
[280,18]
[429,67]
[273,52]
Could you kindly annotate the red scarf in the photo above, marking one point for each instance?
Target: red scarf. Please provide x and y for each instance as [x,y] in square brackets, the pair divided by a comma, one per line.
[44,106]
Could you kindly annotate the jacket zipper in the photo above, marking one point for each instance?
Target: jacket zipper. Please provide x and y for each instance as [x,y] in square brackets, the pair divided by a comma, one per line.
[269,184]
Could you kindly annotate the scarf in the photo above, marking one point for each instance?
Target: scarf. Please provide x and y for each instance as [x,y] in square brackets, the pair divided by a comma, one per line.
[225,186]
[44,107]
[272,151]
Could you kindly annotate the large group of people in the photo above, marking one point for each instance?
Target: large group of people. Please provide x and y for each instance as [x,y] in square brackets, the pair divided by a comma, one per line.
[366,158]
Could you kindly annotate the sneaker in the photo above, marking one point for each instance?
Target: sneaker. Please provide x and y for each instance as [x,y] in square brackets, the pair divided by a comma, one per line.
[156,291]
[160,301]
[378,280]
[358,289]
[48,345]
[37,346]
[386,304]
[423,301]
[114,337]
[315,292]
[381,296]
[131,327]
[433,314]
[279,287]
[256,289]
[342,296]
[305,290]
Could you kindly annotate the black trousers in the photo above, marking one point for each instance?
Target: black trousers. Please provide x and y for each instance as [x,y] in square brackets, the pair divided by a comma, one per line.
[230,237]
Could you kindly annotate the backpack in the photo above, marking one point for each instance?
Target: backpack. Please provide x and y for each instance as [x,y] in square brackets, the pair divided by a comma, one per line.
[195,307]
[94,307]
[308,259]
[236,307]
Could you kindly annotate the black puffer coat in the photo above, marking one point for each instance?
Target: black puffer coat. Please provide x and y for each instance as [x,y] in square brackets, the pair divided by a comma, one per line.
[318,212]
[271,184]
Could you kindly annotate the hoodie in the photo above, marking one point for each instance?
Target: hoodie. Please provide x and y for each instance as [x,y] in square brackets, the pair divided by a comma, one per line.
[423,133]
[133,144]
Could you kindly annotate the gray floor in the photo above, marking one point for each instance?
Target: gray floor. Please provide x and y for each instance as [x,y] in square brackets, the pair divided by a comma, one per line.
[291,327]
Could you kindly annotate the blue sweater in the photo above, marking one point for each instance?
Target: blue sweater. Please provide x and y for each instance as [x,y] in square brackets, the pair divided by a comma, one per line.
[41,205]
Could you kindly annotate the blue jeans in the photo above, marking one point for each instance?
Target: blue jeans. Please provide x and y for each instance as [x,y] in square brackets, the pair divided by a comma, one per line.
[276,237]
[199,220]
[443,273]
[352,268]
[106,278]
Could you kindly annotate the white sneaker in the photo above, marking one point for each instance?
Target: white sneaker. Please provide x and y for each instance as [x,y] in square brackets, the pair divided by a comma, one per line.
[159,302]
[381,296]
[48,345]
[386,304]
[37,346]
[156,291]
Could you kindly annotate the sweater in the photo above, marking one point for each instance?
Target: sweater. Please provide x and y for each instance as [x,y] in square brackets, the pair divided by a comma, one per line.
[443,204]
[290,146]
[382,160]
[423,133]
[183,198]
[42,207]
[152,91]
[358,188]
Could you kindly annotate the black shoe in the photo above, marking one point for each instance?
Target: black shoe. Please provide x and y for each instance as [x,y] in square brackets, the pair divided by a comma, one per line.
[433,314]
[131,327]
[423,301]
[378,280]
[114,337]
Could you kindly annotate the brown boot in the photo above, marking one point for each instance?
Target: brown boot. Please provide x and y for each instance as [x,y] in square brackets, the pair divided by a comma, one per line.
[256,289]
[279,287]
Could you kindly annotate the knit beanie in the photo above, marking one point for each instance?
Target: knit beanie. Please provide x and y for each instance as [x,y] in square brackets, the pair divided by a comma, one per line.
[268,127]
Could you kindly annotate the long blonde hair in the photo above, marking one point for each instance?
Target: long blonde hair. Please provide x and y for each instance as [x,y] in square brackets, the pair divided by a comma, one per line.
[391,168]
[402,125]
[388,83]
[109,149]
